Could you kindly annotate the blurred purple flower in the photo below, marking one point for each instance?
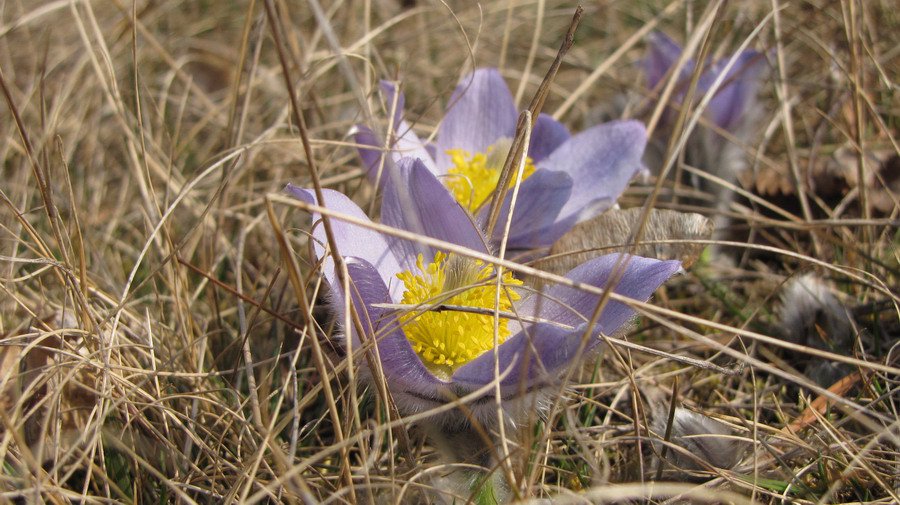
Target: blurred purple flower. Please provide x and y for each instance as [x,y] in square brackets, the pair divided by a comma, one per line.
[431,357]
[734,100]
[569,178]
[733,108]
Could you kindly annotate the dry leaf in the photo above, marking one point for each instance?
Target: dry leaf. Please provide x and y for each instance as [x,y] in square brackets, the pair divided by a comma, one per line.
[832,177]
[821,403]
[49,384]
[612,231]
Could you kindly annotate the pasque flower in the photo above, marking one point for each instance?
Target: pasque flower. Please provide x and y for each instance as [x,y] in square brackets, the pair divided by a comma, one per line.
[440,345]
[568,178]
[732,108]
[735,98]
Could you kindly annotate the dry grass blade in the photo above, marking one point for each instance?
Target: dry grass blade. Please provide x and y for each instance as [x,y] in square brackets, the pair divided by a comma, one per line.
[518,150]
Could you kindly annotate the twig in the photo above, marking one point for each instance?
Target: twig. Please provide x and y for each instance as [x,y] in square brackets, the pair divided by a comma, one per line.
[516,151]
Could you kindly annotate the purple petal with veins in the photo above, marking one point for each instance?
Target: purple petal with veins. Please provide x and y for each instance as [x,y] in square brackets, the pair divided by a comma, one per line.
[546,136]
[529,359]
[350,239]
[602,161]
[540,199]
[634,277]
[421,204]
[481,112]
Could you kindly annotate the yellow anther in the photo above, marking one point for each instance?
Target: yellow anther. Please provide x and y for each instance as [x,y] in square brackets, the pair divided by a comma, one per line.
[474,177]
[448,339]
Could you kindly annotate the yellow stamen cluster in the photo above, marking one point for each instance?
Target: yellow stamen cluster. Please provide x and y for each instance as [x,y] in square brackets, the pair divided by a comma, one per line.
[447,339]
[473,177]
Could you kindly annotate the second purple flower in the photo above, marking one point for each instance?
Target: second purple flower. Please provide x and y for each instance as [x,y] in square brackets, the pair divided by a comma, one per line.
[568,178]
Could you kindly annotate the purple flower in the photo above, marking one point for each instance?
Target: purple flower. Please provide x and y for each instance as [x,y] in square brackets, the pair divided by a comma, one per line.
[569,178]
[733,108]
[430,357]
[734,100]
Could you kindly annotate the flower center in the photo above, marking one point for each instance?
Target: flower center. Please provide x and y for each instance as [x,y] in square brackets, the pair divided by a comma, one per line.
[474,177]
[448,338]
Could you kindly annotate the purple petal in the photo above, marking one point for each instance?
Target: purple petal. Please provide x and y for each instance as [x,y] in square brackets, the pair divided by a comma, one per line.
[421,204]
[408,145]
[633,276]
[403,370]
[602,160]
[350,239]
[537,353]
[371,152]
[541,197]
[546,136]
[389,89]
[481,111]
[738,92]
[405,141]
[664,53]
[402,142]
[532,357]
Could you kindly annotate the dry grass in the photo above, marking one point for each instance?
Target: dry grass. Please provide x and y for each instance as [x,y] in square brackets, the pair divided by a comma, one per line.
[155,350]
